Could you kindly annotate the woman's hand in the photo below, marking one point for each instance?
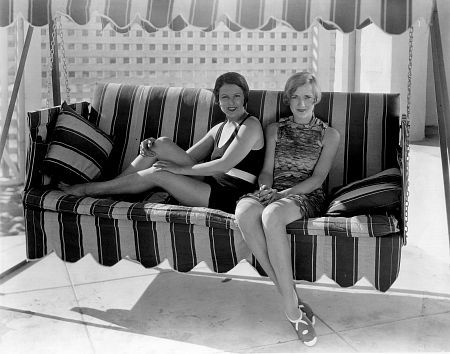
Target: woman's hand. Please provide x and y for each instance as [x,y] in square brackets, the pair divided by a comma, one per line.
[168,166]
[276,196]
[145,148]
[268,194]
[264,191]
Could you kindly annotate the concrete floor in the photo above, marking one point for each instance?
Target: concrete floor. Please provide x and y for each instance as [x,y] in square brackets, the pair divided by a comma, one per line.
[54,307]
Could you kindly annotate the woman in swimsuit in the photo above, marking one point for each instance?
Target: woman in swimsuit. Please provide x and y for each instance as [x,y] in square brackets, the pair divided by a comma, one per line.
[235,148]
[299,154]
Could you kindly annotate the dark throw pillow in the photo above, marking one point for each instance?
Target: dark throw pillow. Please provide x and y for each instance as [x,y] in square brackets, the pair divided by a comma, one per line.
[377,194]
[77,151]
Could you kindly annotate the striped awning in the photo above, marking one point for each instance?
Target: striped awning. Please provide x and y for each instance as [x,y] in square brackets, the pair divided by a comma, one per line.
[393,16]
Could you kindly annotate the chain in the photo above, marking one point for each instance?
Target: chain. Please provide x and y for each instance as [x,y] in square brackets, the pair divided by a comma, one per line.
[64,62]
[405,132]
[410,58]
[50,64]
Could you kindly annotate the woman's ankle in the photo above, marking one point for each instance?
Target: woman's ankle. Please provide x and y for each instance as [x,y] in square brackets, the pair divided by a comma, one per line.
[293,315]
[291,306]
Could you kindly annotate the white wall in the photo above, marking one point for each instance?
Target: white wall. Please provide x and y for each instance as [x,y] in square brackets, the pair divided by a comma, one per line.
[419,75]
[321,44]
[344,79]
[374,62]
[382,66]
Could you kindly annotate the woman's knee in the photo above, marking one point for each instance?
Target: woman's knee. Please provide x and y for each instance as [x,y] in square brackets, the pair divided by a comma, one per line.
[273,216]
[247,213]
[161,144]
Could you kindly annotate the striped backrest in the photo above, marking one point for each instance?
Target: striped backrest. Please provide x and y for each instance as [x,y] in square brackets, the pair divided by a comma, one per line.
[368,123]
[131,113]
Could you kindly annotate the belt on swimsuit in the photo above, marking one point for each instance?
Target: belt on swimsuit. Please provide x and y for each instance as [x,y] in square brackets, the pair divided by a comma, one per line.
[235,172]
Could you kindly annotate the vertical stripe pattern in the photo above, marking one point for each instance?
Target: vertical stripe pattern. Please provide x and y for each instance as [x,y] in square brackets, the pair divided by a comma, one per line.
[344,249]
[368,124]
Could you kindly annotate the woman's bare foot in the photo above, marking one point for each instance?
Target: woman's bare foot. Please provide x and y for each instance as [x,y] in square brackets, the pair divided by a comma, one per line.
[77,189]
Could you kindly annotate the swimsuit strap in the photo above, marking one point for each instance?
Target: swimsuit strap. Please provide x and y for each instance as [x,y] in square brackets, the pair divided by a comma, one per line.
[219,131]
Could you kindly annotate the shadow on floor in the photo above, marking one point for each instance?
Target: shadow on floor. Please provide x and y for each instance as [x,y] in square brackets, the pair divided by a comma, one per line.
[225,315]
[11,210]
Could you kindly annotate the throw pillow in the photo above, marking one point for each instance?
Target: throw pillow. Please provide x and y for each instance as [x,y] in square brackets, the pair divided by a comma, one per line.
[77,149]
[376,194]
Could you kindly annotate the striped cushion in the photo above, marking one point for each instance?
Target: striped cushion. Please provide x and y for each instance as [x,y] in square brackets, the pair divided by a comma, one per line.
[339,226]
[344,249]
[376,194]
[73,236]
[52,200]
[39,123]
[77,151]
[346,260]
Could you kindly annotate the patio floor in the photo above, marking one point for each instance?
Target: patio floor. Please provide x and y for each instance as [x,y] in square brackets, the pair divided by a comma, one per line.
[50,306]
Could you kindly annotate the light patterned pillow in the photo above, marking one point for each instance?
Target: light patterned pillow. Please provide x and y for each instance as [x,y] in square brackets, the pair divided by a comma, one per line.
[77,151]
[377,194]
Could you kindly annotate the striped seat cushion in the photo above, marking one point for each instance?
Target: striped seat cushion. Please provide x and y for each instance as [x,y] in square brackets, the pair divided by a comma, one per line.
[339,226]
[52,200]
[77,150]
[376,194]
[58,201]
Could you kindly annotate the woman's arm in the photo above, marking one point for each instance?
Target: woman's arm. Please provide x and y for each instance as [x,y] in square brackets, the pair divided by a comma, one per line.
[249,134]
[266,176]
[203,148]
[323,166]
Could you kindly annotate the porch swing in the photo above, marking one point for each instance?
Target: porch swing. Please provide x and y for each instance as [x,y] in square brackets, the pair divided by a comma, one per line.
[320,243]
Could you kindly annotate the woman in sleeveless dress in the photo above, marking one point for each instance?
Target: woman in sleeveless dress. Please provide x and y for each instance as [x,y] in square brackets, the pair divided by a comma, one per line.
[299,154]
[235,148]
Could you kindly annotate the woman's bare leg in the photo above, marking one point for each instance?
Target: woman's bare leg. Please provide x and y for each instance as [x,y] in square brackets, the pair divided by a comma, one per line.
[248,215]
[138,164]
[164,149]
[187,190]
[275,217]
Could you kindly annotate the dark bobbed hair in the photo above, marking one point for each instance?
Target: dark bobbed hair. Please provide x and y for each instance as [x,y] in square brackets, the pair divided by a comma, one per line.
[299,79]
[231,78]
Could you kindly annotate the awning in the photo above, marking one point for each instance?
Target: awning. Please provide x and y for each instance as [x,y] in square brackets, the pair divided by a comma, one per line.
[393,16]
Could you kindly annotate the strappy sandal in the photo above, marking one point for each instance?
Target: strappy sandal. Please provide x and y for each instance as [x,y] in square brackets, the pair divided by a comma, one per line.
[305,330]
[307,310]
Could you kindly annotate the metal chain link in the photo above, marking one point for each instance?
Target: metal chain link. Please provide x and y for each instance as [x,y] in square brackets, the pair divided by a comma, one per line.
[57,30]
[406,137]
[64,62]
[50,64]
